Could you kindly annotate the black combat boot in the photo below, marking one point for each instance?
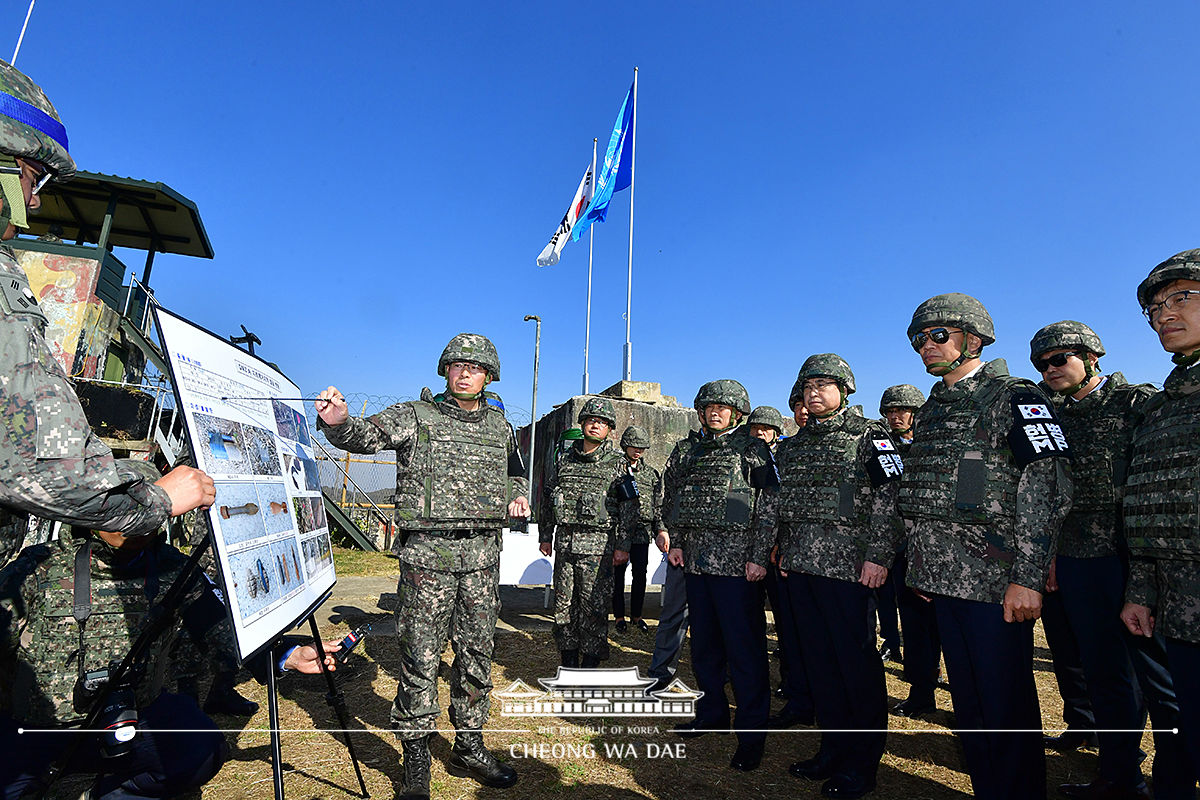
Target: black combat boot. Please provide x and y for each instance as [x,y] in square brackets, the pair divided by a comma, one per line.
[416,768]
[222,699]
[570,658]
[470,759]
[589,661]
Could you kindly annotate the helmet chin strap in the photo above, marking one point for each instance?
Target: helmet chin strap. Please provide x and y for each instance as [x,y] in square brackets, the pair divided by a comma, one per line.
[597,439]
[940,368]
[1089,372]
[836,411]
[1186,360]
[14,197]
[468,396]
[734,419]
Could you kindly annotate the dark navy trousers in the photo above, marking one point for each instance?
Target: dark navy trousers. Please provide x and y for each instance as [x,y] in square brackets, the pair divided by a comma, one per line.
[792,673]
[1184,659]
[922,647]
[729,636]
[990,664]
[160,765]
[844,669]
[1092,591]
[1068,664]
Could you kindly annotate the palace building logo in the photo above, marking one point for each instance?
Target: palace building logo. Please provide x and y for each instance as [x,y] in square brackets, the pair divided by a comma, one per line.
[598,693]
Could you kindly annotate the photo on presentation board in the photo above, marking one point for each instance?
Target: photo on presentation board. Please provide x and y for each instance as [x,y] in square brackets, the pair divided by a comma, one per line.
[270,535]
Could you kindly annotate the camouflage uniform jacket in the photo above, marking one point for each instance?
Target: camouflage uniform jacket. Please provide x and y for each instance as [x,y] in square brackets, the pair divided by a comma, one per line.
[1162,524]
[1099,428]
[837,498]
[580,503]
[977,519]
[641,518]
[452,473]
[712,511]
[39,637]
[51,465]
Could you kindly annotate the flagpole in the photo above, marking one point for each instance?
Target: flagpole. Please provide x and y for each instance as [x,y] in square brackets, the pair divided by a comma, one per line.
[587,325]
[629,289]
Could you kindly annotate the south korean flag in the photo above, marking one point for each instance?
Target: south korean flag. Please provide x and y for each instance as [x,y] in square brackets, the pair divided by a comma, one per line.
[1034,411]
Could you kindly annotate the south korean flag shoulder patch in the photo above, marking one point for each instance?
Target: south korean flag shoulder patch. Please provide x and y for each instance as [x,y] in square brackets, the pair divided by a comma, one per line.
[884,464]
[1036,432]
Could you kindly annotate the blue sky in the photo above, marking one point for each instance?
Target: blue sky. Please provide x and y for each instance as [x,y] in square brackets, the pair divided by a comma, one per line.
[376,177]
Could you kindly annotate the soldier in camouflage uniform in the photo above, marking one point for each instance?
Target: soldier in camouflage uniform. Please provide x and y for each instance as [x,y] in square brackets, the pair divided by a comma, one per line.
[51,465]
[1162,526]
[720,492]
[1098,413]
[766,423]
[922,648]
[638,524]
[458,479]
[580,514]
[836,538]
[984,491]
[76,606]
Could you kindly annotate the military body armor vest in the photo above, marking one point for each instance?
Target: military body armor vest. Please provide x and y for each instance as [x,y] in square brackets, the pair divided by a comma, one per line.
[646,477]
[582,486]
[1163,489]
[457,476]
[953,472]
[716,494]
[119,605]
[1097,432]
[819,473]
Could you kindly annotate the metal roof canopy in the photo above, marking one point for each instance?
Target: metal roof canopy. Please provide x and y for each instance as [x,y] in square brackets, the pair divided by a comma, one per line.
[111,211]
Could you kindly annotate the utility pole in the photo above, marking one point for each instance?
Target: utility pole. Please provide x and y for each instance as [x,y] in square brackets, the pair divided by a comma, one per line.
[537,352]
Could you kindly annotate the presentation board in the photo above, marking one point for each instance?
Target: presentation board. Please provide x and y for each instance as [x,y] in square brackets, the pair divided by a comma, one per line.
[248,432]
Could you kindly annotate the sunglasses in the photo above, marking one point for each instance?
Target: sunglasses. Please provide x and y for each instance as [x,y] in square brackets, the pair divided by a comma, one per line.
[1056,360]
[939,336]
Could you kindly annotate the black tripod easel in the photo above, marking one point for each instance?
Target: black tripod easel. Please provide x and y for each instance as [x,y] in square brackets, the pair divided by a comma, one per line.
[334,697]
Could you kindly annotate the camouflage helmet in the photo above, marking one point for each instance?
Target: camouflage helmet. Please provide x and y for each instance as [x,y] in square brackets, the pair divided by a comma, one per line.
[957,310]
[635,436]
[29,125]
[827,365]
[599,407]
[797,395]
[904,395]
[1067,334]
[726,392]
[474,348]
[768,416]
[1181,266]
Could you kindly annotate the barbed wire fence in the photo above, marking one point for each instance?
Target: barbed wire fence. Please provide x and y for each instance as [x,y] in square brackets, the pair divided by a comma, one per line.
[364,486]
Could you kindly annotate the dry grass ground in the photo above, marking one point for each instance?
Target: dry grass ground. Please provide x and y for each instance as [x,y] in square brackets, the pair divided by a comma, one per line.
[924,764]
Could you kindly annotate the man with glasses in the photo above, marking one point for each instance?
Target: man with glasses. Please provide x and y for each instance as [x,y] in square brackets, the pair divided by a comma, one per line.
[837,537]
[1162,523]
[720,491]
[1098,413]
[984,491]
[51,465]
[459,478]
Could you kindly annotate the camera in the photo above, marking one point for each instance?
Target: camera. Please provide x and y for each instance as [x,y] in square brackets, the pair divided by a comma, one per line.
[118,719]
[118,724]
